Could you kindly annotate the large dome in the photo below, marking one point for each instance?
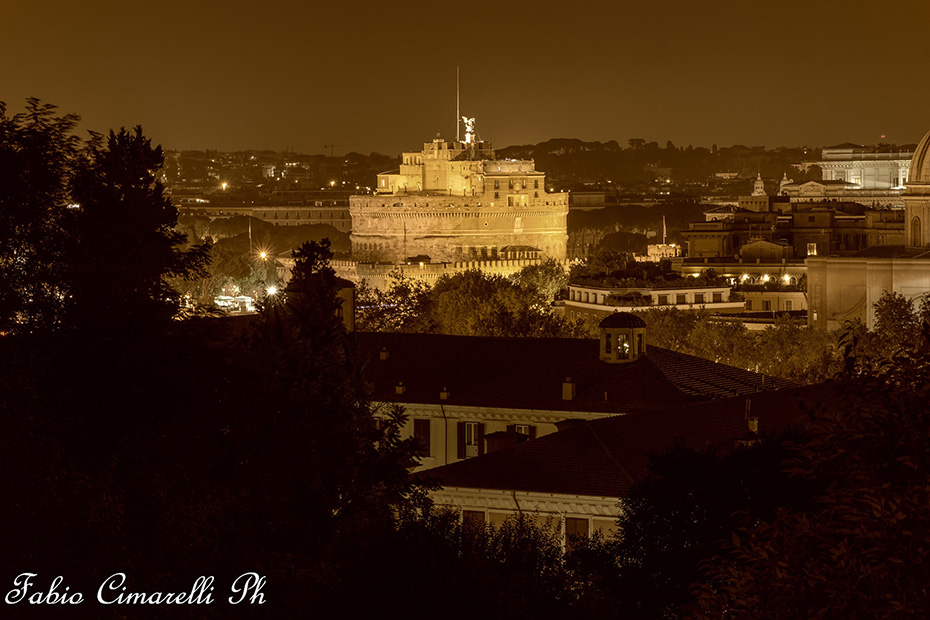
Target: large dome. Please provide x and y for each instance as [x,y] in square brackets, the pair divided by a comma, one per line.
[920,164]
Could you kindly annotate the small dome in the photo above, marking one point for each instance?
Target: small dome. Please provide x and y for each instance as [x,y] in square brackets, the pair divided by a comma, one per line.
[623,320]
[920,164]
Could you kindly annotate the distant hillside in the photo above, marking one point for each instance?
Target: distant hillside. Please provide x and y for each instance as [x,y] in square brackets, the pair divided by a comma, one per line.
[572,163]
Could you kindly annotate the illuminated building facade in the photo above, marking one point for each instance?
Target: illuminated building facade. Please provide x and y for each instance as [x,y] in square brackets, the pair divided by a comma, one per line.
[866,168]
[843,289]
[456,201]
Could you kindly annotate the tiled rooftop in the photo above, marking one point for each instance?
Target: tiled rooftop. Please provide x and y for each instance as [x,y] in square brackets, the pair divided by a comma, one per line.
[527,373]
[606,457]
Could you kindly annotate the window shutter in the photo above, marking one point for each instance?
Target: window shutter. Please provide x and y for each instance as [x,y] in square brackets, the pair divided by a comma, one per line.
[460,439]
[480,438]
[532,431]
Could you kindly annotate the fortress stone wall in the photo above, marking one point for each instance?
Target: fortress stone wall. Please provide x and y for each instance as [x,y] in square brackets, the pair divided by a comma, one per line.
[378,275]
[457,202]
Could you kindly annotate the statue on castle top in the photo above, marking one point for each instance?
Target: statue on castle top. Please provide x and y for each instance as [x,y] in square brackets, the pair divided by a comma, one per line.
[469,129]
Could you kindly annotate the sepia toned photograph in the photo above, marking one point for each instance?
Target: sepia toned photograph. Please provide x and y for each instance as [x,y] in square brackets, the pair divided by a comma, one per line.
[604,310]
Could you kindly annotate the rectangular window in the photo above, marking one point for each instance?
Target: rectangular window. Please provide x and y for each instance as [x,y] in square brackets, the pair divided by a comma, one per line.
[536,184]
[718,298]
[789,305]
[699,298]
[749,304]
[810,218]
[812,249]
[510,183]
[473,519]
[766,305]
[523,429]
[421,433]
[524,183]
[663,300]
[470,439]
[576,530]
[497,184]
[608,342]
[680,298]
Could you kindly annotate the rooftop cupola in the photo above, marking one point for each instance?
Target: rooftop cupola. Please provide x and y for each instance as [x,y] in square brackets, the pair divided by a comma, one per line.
[623,338]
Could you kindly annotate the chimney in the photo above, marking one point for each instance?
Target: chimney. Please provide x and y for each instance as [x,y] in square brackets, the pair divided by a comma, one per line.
[400,388]
[444,394]
[384,353]
[568,389]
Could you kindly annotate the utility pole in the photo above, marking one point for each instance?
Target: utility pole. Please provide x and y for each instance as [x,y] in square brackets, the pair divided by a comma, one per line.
[458,116]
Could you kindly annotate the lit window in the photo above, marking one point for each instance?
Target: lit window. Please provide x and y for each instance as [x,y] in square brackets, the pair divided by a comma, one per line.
[470,438]
[812,249]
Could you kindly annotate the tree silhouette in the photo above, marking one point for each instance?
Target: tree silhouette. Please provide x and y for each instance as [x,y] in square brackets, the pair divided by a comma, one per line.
[124,246]
[37,151]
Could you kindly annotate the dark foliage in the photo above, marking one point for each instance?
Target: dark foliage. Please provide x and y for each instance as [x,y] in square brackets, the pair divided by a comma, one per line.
[861,550]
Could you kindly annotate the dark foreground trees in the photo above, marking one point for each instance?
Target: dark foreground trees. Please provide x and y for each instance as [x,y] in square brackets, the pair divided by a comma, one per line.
[472,303]
[87,235]
[168,450]
[861,551]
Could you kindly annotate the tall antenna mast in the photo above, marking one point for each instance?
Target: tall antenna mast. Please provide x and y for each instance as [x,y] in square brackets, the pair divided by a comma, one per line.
[458,116]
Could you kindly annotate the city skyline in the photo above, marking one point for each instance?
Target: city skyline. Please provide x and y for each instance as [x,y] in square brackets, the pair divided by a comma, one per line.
[381,78]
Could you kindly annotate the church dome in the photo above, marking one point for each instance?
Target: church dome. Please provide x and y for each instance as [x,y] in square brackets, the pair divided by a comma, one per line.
[623,320]
[920,164]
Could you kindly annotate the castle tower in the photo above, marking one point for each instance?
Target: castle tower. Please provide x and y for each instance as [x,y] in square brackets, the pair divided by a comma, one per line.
[758,188]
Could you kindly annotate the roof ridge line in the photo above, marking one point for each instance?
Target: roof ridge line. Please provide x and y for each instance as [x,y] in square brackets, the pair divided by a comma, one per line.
[609,454]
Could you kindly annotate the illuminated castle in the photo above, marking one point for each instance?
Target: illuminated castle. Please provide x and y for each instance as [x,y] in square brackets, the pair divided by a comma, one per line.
[456,201]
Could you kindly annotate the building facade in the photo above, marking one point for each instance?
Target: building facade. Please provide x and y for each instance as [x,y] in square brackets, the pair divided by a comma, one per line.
[847,288]
[587,302]
[866,168]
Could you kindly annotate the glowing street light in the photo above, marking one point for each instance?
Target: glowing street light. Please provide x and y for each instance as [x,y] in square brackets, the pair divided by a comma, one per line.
[263,255]
[223,185]
[272,290]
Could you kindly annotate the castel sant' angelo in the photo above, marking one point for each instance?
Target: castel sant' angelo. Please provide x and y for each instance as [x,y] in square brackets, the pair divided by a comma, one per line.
[456,203]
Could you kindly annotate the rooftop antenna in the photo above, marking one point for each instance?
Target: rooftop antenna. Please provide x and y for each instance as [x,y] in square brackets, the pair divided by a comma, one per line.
[458,116]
